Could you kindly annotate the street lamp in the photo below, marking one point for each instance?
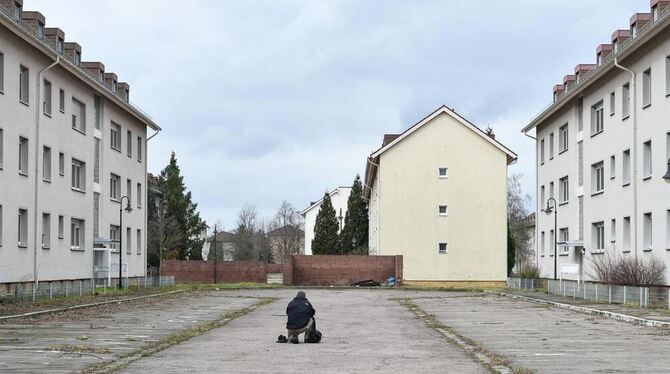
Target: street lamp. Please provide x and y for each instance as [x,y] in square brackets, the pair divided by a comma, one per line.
[666,177]
[121,209]
[554,209]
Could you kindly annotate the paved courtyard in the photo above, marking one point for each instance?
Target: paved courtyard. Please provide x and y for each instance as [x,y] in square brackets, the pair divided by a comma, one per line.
[390,331]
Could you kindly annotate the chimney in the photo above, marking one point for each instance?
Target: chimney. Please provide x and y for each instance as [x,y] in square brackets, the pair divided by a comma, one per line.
[637,21]
[55,37]
[72,52]
[94,69]
[110,80]
[123,90]
[558,90]
[582,69]
[618,37]
[388,138]
[35,21]
[14,8]
[658,6]
[602,52]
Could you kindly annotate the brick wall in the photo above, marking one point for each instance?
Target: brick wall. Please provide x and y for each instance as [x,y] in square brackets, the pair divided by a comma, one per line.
[298,270]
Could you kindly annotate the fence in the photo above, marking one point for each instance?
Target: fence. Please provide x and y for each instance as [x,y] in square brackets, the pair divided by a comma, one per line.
[21,292]
[644,297]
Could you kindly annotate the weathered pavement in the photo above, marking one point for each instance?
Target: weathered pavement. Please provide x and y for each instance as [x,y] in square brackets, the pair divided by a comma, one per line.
[364,331]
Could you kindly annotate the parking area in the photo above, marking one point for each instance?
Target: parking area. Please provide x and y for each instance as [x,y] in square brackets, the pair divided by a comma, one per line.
[364,331]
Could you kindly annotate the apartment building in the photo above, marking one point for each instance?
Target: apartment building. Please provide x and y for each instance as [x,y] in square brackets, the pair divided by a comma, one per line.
[438,196]
[72,148]
[339,198]
[603,148]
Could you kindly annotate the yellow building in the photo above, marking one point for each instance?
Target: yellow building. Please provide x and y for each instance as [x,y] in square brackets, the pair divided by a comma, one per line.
[438,197]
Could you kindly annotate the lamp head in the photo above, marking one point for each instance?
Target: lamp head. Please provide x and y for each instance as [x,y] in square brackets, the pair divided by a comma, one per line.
[128,207]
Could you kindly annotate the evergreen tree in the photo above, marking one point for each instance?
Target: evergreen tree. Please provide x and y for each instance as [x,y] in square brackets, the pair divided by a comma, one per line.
[325,230]
[179,205]
[354,236]
[511,251]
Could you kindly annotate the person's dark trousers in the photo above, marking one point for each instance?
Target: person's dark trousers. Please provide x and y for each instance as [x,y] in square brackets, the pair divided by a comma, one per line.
[294,334]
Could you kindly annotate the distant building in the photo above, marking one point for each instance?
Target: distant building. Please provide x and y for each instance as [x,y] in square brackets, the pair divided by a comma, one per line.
[339,197]
[438,197]
[525,250]
[288,239]
[225,242]
[602,149]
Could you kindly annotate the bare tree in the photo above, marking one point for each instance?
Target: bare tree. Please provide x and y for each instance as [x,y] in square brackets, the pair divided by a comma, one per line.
[286,232]
[245,248]
[517,211]
[628,270]
[163,236]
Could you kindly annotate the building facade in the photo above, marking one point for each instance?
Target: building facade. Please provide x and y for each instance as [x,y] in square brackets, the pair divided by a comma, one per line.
[603,147]
[339,197]
[72,147]
[438,196]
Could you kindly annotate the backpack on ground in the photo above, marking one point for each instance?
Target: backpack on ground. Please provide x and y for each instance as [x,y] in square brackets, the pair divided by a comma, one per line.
[314,336]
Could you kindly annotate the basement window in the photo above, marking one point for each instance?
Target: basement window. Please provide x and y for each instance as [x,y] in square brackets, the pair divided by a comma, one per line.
[442,247]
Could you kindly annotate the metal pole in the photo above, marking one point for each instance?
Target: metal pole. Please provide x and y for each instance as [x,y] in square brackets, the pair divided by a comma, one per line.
[215,254]
[120,241]
[555,239]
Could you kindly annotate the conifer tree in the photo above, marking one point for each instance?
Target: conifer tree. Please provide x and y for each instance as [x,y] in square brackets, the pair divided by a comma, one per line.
[325,230]
[354,236]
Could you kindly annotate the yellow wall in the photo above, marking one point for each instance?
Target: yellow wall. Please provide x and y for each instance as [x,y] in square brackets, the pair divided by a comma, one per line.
[475,192]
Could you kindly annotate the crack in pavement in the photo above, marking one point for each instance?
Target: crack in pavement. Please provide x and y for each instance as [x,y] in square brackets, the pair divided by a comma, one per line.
[495,363]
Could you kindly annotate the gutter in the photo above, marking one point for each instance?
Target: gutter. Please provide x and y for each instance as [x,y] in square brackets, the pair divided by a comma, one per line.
[38,117]
[634,171]
[537,202]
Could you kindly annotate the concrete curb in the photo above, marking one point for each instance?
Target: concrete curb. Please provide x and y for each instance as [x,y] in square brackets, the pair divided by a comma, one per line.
[596,312]
[57,310]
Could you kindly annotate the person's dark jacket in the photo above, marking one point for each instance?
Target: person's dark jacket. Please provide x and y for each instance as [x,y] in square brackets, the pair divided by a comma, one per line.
[299,312]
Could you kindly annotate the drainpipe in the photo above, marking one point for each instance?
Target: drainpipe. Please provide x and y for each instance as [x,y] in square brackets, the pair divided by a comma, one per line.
[634,171]
[379,208]
[146,206]
[537,204]
[38,117]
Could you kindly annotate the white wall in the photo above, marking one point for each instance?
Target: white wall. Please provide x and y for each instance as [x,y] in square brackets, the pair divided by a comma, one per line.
[339,197]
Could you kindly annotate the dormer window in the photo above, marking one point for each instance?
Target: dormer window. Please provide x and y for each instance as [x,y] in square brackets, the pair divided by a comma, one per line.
[114,86]
[599,59]
[18,11]
[77,57]
[59,45]
[655,12]
[633,31]
[615,46]
[40,30]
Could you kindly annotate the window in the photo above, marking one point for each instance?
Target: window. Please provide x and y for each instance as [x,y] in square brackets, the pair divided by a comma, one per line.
[96,215]
[24,84]
[61,227]
[542,243]
[96,111]
[667,228]
[564,237]
[18,11]
[442,172]
[667,147]
[139,195]
[667,75]
[552,242]
[580,162]
[443,210]
[0,225]
[78,175]
[580,115]
[625,101]
[76,234]
[23,228]
[551,146]
[2,150]
[647,232]
[78,115]
[542,198]
[613,230]
[139,241]
[115,187]
[626,233]
[563,190]
[563,138]
[46,230]
[597,123]
[96,160]
[61,101]
[442,247]
[646,88]
[598,236]
[129,190]
[597,177]
[612,103]
[23,156]
[114,236]
[46,164]
[59,45]
[2,72]
[646,160]
[128,240]
[47,98]
[77,57]
[129,144]
[139,149]
[542,152]
[551,189]
[625,164]
[61,163]
[612,167]
[115,136]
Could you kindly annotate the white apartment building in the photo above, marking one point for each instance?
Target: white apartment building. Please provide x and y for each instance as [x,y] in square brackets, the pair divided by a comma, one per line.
[603,148]
[71,147]
[339,197]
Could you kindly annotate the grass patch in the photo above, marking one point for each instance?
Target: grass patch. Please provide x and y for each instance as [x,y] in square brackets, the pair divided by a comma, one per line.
[82,348]
[171,340]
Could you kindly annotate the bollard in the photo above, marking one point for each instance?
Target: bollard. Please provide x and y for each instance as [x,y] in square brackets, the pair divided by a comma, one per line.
[596,292]
[66,288]
[51,291]
[609,289]
[641,296]
[532,283]
[624,294]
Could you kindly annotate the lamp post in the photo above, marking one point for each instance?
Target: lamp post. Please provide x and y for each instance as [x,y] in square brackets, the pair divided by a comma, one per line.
[666,177]
[215,250]
[554,209]
[121,209]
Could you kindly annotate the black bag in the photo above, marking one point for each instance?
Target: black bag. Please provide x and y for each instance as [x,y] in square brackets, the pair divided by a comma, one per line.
[282,339]
[314,336]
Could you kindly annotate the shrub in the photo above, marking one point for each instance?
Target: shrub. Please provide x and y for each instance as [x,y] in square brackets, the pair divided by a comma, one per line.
[628,271]
[528,272]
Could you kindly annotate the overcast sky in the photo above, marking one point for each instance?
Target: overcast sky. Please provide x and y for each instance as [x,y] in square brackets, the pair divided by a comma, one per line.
[270,100]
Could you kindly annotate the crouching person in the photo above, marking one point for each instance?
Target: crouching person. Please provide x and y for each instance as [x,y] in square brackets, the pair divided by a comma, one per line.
[300,318]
